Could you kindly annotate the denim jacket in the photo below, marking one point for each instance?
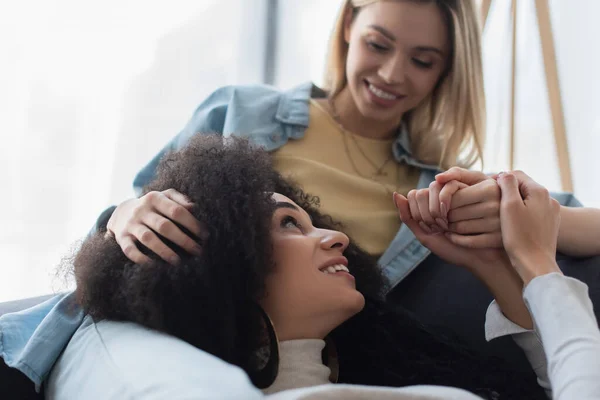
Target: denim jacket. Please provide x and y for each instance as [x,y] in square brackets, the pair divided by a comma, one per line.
[32,340]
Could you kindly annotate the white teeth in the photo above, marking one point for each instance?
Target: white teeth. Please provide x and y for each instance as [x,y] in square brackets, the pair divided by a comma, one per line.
[380,93]
[341,267]
[332,269]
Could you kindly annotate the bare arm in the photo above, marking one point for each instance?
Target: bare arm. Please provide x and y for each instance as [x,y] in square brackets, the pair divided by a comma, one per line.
[579,232]
[507,287]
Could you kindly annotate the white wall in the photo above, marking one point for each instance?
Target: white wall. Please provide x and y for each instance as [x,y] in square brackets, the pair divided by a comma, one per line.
[89,92]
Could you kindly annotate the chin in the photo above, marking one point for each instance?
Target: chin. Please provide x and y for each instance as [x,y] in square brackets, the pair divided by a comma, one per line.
[347,305]
[355,303]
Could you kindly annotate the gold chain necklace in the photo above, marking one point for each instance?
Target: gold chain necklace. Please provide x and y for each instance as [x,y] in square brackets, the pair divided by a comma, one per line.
[378,170]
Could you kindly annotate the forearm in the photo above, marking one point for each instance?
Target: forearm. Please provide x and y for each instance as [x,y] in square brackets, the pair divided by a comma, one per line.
[579,233]
[568,328]
[507,288]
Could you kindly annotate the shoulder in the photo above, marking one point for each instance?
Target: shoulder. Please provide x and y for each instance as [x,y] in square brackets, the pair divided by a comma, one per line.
[244,91]
[258,93]
[248,107]
[257,111]
[124,360]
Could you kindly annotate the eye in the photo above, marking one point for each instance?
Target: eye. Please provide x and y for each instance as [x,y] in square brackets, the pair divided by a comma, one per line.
[422,64]
[377,47]
[290,222]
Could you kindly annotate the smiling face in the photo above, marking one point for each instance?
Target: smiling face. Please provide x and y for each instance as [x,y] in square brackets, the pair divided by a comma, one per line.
[397,52]
[310,291]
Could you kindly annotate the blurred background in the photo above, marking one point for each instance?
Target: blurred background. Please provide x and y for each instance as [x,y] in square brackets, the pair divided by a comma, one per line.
[90,91]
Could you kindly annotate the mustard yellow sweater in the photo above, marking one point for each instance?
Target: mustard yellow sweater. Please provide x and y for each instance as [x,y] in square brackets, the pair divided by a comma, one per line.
[341,168]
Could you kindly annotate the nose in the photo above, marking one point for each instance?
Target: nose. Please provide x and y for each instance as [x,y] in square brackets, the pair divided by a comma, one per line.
[334,240]
[393,70]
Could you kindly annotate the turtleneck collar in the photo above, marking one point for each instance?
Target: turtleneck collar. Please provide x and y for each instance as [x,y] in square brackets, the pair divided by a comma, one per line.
[300,365]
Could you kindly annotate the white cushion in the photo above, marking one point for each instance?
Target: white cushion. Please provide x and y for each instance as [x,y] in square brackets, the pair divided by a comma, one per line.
[118,360]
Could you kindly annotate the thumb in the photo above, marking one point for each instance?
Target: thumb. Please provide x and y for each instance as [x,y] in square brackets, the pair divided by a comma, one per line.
[509,187]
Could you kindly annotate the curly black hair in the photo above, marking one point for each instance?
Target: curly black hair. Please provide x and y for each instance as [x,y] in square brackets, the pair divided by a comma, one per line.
[210,300]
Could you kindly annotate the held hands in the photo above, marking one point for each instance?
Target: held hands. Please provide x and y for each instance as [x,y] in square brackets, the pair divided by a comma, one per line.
[465,204]
[509,210]
[530,220]
[156,213]
[440,242]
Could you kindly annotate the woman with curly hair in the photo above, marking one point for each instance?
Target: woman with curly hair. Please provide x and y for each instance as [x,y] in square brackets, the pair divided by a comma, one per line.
[289,300]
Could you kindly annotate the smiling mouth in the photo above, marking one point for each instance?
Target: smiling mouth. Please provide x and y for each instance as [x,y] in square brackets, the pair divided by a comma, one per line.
[333,269]
[381,93]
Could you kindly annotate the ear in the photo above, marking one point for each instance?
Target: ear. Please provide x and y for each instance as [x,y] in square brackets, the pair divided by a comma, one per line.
[348,18]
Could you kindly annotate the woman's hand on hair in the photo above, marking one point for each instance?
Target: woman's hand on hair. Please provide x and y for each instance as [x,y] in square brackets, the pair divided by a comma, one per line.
[156,213]
[473,209]
[530,221]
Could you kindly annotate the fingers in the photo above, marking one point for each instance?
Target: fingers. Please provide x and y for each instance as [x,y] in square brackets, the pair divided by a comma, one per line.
[149,239]
[527,186]
[179,198]
[422,197]
[487,190]
[437,243]
[413,206]
[446,194]
[482,241]
[511,196]
[168,229]
[435,206]
[131,251]
[154,217]
[462,175]
[475,211]
[476,226]
[406,216]
[419,206]
[415,212]
[174,211]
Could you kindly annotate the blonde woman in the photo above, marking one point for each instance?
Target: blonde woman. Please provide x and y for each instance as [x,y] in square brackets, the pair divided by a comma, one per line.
[403,101]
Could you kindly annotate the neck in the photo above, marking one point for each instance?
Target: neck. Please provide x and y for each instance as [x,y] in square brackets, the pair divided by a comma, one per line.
[300,365]
[312,330]
[352,120]
[315,327]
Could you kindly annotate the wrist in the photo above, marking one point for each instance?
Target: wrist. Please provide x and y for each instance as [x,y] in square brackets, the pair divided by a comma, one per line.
[505,284]
[562,242]
[531,266]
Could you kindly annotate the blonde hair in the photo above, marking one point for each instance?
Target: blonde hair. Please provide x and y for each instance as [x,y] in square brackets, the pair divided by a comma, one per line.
[448,127]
